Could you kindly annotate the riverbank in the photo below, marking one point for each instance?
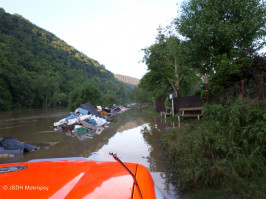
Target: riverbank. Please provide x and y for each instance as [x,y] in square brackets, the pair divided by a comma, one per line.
[222,155]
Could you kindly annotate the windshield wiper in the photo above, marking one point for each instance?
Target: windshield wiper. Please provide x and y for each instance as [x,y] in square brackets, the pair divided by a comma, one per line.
[130,172]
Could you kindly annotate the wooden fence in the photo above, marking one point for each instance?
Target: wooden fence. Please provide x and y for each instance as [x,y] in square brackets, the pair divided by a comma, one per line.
[180,102]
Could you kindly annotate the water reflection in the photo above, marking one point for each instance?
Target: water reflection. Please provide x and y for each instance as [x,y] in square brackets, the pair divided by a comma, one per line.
[139,141]
[135,137]
[162,124]
[129,145]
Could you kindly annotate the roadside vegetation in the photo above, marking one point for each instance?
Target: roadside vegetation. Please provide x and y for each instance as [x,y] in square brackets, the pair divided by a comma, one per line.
[222,155]
[210,44]
[214,45]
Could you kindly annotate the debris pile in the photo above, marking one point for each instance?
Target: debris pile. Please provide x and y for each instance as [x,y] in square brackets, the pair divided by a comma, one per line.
[88,121]
[10,147]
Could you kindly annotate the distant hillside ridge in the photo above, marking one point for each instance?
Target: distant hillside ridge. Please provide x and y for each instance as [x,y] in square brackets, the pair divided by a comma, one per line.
[38,69]
[127,79]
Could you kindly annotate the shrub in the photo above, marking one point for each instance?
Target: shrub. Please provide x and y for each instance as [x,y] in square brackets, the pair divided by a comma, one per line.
[86,93]
[226,148]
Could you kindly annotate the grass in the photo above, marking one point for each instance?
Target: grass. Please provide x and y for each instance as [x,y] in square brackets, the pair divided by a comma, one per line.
[252,189]
[223,155]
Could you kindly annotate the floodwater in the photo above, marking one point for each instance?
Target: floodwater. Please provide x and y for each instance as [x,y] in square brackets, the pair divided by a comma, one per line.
[135,137]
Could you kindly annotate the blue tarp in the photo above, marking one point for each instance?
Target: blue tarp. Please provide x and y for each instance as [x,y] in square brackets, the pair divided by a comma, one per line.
[82,111]
[93,122]
[71,116]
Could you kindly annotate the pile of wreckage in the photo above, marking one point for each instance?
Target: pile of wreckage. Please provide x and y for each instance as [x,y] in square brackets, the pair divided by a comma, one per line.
[88,121]
[10,147]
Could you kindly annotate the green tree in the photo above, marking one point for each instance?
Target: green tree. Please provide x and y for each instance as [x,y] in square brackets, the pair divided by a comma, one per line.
[221,29]
[142,96]
[86,93]
[5,96]
[217,36]
[22,87]
[167,67]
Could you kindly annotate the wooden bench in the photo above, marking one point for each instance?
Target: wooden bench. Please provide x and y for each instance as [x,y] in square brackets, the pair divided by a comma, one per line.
[198,115]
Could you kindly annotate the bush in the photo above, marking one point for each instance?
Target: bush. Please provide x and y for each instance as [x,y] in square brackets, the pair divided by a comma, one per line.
[87,93]
[5,96]
[225,149]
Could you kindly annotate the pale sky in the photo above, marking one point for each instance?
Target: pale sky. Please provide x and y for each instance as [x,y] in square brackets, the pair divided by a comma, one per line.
[113,32]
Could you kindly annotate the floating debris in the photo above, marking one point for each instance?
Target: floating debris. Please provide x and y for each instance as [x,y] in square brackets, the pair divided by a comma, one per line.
[10,147]
[88,121]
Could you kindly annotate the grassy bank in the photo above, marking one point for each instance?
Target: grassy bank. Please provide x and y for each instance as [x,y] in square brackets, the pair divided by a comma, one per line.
[223,155]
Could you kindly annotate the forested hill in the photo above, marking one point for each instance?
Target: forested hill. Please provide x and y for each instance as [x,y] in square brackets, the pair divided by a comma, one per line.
[130,81]
[37,69]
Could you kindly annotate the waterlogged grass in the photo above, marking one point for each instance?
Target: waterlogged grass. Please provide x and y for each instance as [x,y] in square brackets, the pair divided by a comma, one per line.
[223,155]
[250,189]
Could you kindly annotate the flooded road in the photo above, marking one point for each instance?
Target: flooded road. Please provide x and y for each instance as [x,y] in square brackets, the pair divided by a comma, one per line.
[135,137]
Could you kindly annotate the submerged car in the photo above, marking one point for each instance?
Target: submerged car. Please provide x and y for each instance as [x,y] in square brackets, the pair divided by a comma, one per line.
[78,178]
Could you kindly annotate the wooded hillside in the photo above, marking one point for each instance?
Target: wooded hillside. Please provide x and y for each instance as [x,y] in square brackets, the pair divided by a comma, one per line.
[37,69]
[130,81]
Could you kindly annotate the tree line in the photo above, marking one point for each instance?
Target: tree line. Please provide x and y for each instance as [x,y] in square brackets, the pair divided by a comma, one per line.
[214,44]
[39,70]
[210,42]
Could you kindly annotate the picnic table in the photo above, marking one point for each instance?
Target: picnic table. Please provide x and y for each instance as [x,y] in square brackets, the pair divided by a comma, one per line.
[183,114]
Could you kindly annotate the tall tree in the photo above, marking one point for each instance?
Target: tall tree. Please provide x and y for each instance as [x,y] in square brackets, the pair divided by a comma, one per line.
[214,29]
[166,66]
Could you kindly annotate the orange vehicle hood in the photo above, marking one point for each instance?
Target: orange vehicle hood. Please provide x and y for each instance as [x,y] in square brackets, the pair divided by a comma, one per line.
[69,179]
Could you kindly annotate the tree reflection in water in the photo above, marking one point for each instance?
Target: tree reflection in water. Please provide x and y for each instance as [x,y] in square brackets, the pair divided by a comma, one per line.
[135,137]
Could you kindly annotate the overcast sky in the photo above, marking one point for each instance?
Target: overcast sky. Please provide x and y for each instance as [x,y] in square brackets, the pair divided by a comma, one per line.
[113,32]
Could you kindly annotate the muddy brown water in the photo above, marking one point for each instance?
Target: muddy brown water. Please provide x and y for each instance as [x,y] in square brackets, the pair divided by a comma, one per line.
[135,137]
